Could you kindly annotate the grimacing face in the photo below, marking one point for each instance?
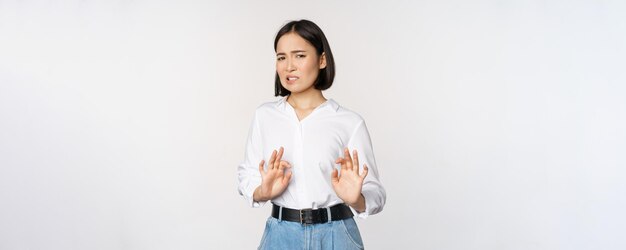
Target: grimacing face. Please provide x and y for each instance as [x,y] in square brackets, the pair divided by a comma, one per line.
[297,63]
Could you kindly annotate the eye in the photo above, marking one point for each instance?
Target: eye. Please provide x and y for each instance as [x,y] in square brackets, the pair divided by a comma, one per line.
[300,56]
[280,58]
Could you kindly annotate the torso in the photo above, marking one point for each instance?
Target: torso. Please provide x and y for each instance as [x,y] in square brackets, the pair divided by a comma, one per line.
[313,139]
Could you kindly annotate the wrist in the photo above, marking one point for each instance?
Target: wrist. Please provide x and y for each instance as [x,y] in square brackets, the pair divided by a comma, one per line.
[359,204]
[258,196]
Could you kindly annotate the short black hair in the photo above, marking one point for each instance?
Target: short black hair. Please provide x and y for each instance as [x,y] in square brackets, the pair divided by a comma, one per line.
[314,35]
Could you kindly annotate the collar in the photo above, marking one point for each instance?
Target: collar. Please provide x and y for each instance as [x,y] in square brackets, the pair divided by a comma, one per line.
[330,103]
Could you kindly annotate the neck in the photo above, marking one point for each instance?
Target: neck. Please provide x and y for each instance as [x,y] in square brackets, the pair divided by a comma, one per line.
[307,99]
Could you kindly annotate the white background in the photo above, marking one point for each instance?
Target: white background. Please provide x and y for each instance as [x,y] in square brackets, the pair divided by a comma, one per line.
[496,124]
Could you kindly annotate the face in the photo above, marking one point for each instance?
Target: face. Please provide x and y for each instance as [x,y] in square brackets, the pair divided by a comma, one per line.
[297,63]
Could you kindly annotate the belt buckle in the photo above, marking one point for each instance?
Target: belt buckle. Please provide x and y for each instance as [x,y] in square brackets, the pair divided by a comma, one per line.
[306,218]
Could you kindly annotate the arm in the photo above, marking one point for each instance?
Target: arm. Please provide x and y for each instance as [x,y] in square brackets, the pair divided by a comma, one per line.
[373,194]
[248,174]
[260,184]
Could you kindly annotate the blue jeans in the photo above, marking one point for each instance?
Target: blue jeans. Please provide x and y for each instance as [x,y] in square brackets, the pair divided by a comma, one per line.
[281,234]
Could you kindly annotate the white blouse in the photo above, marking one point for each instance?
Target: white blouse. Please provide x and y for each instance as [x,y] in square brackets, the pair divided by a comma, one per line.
[311,146]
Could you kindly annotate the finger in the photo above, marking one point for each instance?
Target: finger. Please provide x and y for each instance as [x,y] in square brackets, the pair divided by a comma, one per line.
[261,167]
[287,178]
[271,161]
[284,164]
[339,160]
[348,159]
[280,155]
[355,161]
[365,170]
[342,161]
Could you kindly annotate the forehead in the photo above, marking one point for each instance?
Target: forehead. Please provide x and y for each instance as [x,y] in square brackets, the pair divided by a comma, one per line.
[292,41]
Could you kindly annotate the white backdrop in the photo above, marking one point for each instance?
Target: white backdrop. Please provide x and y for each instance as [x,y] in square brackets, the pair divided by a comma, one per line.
[496,124]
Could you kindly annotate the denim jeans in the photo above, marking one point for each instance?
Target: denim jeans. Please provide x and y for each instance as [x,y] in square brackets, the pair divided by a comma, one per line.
[281,234]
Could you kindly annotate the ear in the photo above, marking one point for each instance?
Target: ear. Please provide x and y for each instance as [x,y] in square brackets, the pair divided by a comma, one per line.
[323,60]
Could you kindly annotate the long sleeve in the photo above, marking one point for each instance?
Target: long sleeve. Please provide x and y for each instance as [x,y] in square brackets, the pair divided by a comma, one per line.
[372,190]
[248,169]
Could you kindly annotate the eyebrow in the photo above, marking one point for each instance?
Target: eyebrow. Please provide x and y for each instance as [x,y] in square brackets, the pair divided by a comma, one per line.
[293,51]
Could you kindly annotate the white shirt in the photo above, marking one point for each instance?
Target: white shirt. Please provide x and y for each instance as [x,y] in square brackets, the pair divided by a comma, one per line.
[311,146]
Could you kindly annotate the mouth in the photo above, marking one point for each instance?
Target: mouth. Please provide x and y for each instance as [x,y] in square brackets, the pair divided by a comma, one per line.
[292,79]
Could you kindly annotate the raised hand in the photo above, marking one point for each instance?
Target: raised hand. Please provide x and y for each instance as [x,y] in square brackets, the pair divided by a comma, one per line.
[274,181]
[348,185]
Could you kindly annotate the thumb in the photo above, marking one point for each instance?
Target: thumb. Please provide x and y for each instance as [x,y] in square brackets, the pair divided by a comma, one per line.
[334,177]
[261,167]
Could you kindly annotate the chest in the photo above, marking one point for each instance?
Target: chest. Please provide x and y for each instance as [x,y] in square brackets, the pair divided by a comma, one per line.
[315,139]
[303,113]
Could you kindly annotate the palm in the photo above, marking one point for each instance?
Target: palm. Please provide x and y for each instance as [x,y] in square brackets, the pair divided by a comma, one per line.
[274,181]
[348,185]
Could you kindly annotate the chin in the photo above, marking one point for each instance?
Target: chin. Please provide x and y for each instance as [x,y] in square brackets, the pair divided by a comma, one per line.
[294,89]
[291,88]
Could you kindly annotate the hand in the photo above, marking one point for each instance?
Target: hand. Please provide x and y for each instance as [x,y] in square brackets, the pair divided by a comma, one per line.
[274,181]
[348,185]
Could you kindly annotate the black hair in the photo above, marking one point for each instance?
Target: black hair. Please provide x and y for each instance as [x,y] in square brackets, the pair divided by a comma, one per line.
[314,35]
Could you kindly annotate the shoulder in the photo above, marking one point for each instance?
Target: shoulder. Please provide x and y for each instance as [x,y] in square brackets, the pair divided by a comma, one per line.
[268,108]
[348,115]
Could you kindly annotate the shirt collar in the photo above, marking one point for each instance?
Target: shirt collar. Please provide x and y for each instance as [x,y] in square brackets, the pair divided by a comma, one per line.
[330,103]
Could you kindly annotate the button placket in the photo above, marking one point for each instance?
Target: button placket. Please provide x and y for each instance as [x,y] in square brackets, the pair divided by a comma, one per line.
[300,157]
[298,151]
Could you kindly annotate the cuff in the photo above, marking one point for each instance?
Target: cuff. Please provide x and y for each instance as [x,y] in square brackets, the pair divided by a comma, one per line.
[247,191]
[370,205]
[250,199]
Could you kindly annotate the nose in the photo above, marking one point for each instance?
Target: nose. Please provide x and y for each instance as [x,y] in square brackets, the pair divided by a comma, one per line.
[290,66]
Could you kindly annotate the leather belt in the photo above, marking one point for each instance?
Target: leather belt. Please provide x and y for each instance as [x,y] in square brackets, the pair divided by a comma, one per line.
[312,216]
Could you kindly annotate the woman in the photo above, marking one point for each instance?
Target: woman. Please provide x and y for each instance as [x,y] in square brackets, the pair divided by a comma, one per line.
[297,153]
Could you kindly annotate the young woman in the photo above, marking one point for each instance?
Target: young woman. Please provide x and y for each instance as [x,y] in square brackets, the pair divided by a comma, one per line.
[298,153]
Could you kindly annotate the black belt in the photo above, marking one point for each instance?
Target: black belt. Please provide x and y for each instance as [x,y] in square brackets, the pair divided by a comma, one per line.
[312,216]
